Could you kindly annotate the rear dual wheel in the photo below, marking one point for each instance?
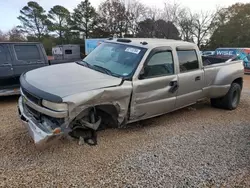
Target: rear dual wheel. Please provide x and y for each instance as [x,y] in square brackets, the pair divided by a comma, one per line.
[231,100]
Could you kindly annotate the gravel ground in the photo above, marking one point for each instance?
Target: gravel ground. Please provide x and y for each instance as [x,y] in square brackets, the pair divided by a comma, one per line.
[194,147]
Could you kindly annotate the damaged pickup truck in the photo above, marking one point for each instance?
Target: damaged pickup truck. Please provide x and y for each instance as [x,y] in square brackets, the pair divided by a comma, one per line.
[124,81]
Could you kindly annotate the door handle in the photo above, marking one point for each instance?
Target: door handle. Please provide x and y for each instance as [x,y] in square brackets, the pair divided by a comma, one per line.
[197,78]
[174,86]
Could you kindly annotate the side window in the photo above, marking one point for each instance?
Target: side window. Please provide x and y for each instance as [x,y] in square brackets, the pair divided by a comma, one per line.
[3,56]
[160,64]
[27,52]
[188,60]
[68,51]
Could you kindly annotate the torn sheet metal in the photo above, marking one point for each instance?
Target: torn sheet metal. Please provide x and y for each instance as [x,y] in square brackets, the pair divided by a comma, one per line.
[40,132]
[118,96]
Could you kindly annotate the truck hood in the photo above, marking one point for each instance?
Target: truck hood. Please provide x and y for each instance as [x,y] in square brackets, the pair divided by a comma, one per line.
[65,79]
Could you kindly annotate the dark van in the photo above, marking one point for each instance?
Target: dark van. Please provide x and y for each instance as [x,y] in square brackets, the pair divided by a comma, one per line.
[18,58]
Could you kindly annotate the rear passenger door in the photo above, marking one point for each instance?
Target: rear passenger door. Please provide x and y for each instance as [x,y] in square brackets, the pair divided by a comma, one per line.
[6,69]
[28,57]
[190,77]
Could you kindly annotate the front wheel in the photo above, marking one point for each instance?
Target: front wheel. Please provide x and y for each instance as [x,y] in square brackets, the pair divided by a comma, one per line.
[231,100]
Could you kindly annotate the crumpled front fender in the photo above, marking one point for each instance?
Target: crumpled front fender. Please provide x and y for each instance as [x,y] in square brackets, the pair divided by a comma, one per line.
[118,96]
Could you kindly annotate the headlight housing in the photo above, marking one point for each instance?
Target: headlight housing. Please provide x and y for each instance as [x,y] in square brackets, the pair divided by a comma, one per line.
[59,107]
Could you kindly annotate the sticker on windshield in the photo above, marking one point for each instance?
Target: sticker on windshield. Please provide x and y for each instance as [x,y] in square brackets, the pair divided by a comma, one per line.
[133,50]
[125,74]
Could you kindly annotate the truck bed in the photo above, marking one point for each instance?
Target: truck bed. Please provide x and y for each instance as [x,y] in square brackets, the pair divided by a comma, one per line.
[211,60]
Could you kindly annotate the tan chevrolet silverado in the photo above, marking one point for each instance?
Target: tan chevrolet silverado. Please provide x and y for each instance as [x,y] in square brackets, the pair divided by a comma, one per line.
[124,81]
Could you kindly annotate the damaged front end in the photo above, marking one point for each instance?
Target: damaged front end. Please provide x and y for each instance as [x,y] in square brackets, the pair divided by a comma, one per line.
[42,129]
[85,114]
[84,127]
[45,130]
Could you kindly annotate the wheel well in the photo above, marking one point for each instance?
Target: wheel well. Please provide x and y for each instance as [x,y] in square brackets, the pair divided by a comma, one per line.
[239,81]
[109,114]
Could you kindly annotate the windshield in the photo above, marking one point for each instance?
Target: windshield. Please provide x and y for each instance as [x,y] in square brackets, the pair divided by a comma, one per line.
[119,60]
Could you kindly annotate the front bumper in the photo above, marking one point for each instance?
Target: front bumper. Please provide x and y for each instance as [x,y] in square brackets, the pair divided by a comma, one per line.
[8,92]
[40,132]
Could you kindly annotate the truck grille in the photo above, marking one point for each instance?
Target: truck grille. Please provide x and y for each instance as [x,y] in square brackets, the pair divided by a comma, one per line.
[33,112]
[32,98]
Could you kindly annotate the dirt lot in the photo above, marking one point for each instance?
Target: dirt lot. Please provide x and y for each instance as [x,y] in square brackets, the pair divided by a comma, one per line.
[194,147]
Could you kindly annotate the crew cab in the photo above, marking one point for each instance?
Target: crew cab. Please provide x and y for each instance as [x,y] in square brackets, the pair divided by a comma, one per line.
[124,81]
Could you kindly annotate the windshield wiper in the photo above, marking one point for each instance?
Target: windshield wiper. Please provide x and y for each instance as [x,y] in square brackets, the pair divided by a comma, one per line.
[86,63]
[83,63]
[107,71]
[97,67]
[103,69]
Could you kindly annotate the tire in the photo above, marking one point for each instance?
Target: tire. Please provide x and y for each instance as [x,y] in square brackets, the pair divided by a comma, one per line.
[231,100]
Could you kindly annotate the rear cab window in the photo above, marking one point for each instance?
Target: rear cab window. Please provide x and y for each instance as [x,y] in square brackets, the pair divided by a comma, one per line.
[27,52]
[188,60]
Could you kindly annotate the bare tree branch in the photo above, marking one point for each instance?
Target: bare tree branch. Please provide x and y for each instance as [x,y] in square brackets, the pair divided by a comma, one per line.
[203,25]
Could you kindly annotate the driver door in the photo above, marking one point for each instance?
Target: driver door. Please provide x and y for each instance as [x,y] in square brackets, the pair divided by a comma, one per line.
[154,92]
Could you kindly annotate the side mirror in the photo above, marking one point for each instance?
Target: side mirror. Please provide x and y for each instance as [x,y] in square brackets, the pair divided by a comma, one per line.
[142,74]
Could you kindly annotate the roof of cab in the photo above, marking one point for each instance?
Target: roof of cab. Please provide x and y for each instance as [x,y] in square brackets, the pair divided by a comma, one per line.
[151,42]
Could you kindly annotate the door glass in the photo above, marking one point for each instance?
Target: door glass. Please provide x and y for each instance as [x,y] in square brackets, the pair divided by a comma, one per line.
[3,57]
[27,52]
[188,60]
[160,64]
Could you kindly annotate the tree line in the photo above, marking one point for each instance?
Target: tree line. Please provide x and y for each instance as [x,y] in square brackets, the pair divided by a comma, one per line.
[126,18]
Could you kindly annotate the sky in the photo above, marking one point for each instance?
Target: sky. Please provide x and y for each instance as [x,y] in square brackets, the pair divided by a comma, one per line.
[9,10]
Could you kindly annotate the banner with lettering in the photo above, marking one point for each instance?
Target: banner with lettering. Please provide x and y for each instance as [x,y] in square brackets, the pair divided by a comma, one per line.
[240,53]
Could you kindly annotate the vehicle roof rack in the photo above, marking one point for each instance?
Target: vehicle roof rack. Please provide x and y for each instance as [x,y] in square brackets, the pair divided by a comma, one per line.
[124,40]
